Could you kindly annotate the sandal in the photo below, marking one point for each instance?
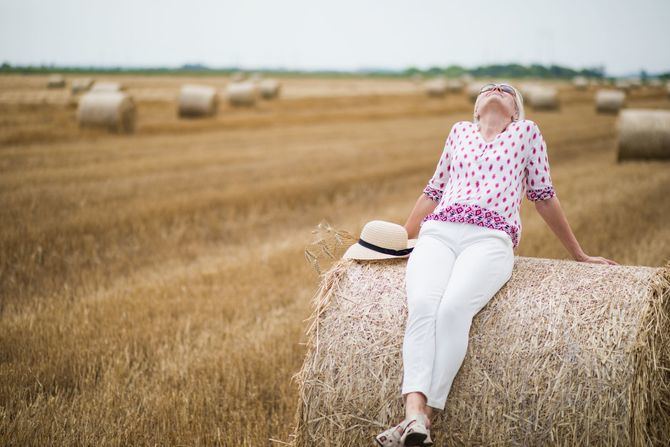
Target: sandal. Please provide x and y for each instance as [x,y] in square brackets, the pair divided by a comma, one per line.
[390,437]
[400,435]
[415,432]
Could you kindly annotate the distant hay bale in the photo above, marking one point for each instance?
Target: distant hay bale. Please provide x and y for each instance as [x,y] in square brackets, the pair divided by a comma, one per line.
[197,101]
[81,85]
[108,87]
[416,78]
[255,77]
[473,90]
[544,98]
[609,100]
[436,87]
[466,78]
[580,82]
[242,93]
[269,88]
[56,81]
[622,84]
[573,352]
[644,134]
[112,110]
[454,85]
[238,76]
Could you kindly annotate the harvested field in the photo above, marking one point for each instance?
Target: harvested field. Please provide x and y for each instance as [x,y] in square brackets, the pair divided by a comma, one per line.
[154,287]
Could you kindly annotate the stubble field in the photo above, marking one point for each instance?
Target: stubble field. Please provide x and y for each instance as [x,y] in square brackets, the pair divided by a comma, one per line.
[154,287]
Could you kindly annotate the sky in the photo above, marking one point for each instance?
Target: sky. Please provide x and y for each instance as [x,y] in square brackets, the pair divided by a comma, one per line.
[624,36]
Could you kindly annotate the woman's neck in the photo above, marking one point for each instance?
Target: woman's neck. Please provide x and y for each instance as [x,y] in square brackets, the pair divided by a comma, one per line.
[492,124]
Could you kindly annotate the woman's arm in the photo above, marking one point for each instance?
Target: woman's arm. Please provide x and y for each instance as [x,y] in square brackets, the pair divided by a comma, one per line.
[540,189]
[553,215]
[423,207]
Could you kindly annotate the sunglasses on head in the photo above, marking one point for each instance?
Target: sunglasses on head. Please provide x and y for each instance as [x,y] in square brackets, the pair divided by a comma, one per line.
[504,87]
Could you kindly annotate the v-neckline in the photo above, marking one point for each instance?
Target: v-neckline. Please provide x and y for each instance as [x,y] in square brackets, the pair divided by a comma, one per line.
[493,140]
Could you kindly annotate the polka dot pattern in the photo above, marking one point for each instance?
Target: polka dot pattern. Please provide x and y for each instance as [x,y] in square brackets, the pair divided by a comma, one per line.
[483,182]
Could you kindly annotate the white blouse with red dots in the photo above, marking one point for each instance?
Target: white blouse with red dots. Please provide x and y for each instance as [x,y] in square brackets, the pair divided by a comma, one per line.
[483,183]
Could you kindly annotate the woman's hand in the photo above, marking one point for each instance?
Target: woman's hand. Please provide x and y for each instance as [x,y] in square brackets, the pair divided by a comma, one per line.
[595,259]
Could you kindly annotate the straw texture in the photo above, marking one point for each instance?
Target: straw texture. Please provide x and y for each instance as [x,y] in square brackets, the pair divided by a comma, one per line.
[644,134]
[112,110]
[198,101]
[566,353]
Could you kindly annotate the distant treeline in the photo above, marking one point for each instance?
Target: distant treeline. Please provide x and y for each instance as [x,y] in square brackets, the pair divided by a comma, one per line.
[495,71]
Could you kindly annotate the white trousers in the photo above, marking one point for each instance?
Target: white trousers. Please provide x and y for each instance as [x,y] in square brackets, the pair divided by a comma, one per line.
[453,271]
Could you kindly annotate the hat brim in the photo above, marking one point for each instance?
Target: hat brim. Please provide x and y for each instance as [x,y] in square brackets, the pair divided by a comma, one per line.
[357,251]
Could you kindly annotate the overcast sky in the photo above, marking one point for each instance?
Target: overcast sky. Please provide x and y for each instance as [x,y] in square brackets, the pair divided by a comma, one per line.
[623,35]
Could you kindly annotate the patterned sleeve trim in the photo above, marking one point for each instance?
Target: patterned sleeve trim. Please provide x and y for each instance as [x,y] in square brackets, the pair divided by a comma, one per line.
[433,193]
[541,194]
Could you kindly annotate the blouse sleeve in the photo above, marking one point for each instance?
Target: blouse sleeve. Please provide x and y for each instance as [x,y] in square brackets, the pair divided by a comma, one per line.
[435,187]
[537,177]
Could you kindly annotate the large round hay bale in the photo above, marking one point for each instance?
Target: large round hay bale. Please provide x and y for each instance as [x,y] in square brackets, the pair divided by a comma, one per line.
[580,83]
[115,111]
[197,101]
[108,87]
[644,134]
[81,85]
[544,98]
[56,81]
[436,87]
[566,353]
[242,93]
[269,88]
[609,100]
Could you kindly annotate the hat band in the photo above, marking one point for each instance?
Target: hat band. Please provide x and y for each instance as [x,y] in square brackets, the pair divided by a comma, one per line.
[388,251]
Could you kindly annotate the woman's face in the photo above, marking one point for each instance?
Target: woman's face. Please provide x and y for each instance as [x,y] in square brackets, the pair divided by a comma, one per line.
[496,100]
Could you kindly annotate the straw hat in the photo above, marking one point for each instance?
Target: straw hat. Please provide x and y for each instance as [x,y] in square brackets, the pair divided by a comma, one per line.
[381,240]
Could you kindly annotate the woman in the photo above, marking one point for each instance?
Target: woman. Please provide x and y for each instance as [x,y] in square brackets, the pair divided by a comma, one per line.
[469,221]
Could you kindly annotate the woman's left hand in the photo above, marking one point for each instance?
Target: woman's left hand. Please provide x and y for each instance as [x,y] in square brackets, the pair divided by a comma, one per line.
[596,260]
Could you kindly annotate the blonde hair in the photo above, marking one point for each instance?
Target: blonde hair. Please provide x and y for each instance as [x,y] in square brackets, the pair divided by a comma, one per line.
[518,102]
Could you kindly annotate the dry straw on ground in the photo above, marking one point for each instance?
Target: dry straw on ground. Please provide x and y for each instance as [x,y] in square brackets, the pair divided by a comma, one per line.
[197,100]
[610,100]
[566,353]
[644,134]
[114,111]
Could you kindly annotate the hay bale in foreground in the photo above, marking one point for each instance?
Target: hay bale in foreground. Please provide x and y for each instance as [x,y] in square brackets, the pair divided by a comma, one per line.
[56,81]
[114,111]
[108,87]
[543,98]
[644,134]
[610,101]
[197,101]
[269,88]
[242,93]
[566,353]
[81,85]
